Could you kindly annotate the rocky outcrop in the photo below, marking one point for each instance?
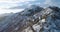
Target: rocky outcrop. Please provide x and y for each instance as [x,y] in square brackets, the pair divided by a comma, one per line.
[33,19]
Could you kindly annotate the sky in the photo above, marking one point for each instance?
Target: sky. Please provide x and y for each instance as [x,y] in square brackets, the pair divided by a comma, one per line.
[19,5]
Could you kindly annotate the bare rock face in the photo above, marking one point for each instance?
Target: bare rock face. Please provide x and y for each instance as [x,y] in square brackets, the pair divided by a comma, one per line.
[33,19]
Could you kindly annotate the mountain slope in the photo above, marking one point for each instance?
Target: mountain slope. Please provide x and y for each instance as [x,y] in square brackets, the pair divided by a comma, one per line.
[19,21]
[33,19]
[4,16]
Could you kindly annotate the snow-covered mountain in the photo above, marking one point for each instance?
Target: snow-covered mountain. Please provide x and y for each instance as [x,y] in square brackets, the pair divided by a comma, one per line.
[33,19]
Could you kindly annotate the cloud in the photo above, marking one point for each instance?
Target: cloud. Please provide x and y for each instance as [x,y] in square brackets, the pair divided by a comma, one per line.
[17,4]
[48,2]
[7,5]
[9,10]
[15,1]
[52,2]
